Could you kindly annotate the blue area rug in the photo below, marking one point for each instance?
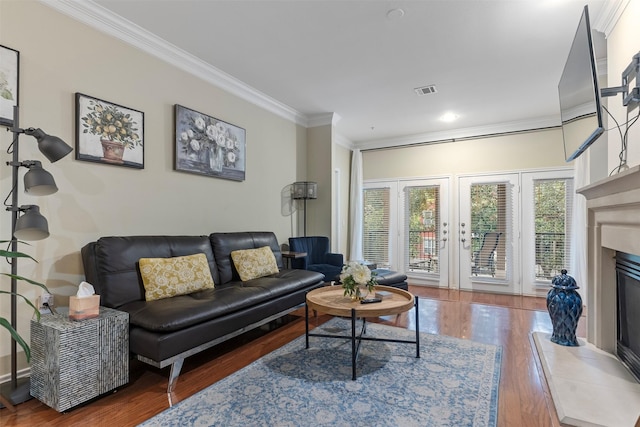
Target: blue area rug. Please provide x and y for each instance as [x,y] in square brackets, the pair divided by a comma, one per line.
[454,383]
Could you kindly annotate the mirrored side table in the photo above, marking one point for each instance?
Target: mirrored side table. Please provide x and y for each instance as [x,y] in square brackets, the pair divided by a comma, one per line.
[75,361]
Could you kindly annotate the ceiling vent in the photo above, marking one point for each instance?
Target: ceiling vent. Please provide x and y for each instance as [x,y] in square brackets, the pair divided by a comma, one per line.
[426,90]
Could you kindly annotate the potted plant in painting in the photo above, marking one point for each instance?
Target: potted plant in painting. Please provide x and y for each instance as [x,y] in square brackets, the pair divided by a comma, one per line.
[3,321]
[117,130]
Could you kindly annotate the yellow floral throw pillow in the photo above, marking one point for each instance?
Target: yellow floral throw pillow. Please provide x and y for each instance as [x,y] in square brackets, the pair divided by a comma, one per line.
[254,263]
[168,277]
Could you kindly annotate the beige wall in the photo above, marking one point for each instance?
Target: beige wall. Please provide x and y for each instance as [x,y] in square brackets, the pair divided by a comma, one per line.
[328,164]
[59,57]
[622,44]
[319,170]
[503,153]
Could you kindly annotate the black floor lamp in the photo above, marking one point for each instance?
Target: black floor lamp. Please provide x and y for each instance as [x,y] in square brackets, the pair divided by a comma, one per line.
[305,190]
[27,224]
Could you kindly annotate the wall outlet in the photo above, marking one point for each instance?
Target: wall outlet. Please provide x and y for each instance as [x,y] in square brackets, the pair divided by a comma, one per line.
[45,298]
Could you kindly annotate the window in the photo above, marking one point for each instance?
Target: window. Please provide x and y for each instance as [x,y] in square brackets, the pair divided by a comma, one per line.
[423,221]
[376,226]
[552,202]
[490,225]
[547,200]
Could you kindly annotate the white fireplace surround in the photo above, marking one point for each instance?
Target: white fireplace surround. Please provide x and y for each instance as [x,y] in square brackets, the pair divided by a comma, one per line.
[589,385]
[613,225]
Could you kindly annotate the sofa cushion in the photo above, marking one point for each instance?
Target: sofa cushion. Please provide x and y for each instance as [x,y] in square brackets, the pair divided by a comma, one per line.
[168,277]
[225,243]
[254,263]
[110,264]
[182,311]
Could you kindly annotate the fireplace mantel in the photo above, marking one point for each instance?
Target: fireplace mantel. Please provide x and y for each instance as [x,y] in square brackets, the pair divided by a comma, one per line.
[589,384]
[613,206]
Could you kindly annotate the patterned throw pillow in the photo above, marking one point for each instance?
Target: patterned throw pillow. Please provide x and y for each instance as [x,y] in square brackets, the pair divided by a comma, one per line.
[168,277]
[254,263]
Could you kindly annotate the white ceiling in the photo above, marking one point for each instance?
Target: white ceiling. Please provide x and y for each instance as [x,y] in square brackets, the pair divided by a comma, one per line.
[495,63]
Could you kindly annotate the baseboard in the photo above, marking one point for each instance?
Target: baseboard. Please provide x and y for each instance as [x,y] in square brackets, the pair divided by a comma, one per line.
[21,374]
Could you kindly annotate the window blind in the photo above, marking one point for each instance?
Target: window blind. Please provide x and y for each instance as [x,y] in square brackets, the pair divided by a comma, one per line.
[422,228]
[376,227]
[553,208]
[491,225]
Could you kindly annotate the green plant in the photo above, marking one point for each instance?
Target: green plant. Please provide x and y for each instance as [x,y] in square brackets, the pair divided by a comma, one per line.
[4,322]
[111,123]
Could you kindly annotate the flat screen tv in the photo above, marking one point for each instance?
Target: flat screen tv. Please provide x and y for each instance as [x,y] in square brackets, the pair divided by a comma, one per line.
[579,94]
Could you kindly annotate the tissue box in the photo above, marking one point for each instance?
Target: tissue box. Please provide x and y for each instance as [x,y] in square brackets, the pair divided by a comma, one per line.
[84,307]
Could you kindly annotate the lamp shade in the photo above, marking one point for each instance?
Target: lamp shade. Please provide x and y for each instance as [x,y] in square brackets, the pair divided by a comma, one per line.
[37,181]
[52,147]
[305,190]
[31,225]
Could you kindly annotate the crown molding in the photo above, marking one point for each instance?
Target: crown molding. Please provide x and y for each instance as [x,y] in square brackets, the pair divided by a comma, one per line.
[462,133]
[342,141]
[320,120]
[101,19]
[609,16]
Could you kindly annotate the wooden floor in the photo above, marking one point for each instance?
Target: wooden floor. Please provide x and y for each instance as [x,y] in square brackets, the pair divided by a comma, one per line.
[489,318]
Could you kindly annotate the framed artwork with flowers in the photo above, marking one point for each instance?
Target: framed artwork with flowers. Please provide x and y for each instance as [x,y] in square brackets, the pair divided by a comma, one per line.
[209,146]
[109,133]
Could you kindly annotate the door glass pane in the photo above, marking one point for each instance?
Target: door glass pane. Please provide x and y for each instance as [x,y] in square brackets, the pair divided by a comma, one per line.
[423,220]
[490,225]
[553,199]
[375,245]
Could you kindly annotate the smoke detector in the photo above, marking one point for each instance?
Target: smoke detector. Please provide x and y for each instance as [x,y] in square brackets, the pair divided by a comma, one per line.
[426,90]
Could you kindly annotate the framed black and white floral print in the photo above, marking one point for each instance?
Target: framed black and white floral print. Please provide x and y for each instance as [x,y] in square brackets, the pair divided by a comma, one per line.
[208,146]
[9,84]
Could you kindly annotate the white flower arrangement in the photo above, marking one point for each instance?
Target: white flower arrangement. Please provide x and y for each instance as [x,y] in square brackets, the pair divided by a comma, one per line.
[207,137]
[355,275]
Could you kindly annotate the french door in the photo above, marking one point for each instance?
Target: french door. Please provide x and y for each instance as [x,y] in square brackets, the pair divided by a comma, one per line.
[406,227]
[515,230]
[488,233]
[424,232]
[379,233]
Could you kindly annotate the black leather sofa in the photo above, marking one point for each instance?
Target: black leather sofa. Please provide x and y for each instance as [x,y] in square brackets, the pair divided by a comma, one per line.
[165,331]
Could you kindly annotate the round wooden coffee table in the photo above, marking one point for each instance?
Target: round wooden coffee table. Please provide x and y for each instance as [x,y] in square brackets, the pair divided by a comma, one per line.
[331,300]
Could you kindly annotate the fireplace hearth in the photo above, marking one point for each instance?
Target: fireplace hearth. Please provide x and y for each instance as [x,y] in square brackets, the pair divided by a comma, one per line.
[628,313]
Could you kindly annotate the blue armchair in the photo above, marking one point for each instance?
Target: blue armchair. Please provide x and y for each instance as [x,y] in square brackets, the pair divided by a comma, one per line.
[318,256]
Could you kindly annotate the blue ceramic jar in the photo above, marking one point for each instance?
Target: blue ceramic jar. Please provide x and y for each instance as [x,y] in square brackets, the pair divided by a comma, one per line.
[565,308]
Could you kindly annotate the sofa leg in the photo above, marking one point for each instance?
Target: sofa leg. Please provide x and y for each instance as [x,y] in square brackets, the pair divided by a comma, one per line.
[173,375]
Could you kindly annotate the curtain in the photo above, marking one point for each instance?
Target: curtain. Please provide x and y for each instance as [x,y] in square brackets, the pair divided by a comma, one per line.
[355,208]
[578,268]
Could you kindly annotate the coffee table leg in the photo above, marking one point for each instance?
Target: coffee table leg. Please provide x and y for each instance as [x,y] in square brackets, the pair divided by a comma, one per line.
[417,328]
[353,344]
[306,323]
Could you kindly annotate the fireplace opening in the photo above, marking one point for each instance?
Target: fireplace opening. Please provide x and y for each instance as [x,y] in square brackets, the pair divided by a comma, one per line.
[628,300]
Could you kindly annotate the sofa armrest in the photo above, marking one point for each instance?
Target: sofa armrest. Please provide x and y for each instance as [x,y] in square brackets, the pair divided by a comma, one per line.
[335,259]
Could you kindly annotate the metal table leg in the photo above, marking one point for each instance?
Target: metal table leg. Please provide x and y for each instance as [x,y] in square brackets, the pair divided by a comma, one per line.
[306,323]
[353,344]
[417,328]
